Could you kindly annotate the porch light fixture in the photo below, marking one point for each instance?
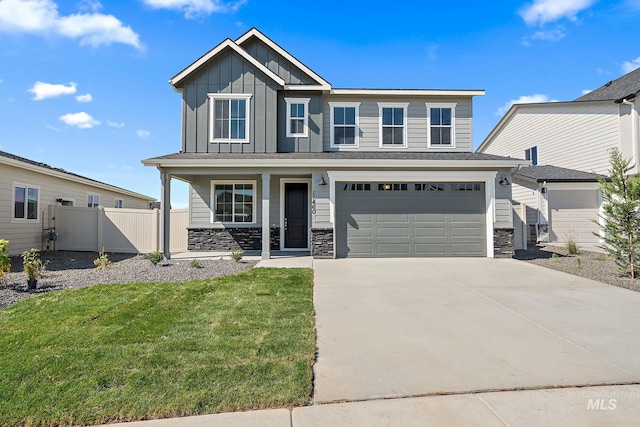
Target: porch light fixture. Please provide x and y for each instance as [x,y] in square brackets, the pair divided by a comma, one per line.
[322,181]
[504,180]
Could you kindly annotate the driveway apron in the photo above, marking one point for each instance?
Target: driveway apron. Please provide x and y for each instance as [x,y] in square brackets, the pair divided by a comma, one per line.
[412,327]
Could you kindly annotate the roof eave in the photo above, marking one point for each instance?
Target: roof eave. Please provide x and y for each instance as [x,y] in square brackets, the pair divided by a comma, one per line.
[410,92]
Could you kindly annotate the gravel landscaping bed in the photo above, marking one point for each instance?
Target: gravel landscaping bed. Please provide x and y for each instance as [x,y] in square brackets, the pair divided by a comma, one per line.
[69,270]
[591,265]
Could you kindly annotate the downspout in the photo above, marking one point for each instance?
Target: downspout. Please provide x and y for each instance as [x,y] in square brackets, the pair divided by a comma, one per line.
[634,135]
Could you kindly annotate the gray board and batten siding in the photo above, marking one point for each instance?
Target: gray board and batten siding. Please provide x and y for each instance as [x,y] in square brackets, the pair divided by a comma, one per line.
[408,221]
[230,73]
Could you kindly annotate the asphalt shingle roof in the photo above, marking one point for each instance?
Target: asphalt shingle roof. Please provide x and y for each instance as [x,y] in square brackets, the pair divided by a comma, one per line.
[547,173]
[626,86]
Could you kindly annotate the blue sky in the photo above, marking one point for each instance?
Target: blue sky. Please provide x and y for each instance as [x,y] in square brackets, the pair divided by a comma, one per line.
[83,84]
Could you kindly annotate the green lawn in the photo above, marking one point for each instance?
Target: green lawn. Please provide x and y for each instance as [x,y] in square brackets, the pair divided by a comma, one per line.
[150,350]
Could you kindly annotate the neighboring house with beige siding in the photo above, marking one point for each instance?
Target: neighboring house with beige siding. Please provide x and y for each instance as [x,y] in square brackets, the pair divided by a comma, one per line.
[567,144]
[28,188]
[278,159]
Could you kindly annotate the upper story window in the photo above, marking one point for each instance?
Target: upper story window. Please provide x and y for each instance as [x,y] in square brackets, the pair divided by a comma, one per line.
[233,201]
[344,124]
[393,125]
[441,123]
[26,199]
[297,117]
[93,200]
[531,154]
[118,203]
[229,117]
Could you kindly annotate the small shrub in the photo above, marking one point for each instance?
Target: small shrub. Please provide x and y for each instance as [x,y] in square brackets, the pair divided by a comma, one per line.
[237,255]
[195,263]
[554,257]
[572,247]
[5,260]
[602,257]
[33,266]
[102,262]
[155,257]
[578,263]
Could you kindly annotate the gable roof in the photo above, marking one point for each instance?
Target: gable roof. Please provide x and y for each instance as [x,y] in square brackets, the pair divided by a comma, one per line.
[254,32]
[625,87]
[17,161]
[542,173]
[177,80]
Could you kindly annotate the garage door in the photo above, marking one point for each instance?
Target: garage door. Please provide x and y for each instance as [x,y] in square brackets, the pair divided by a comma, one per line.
[572,212]
[406,219]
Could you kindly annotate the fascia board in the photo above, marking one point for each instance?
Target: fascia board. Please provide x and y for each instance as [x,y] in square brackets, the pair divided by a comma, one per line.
[254,32]
[408,92]
[228,43]
[73,178]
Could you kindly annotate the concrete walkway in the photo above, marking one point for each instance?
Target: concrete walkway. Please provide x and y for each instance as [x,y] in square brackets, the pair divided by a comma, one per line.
[430,342]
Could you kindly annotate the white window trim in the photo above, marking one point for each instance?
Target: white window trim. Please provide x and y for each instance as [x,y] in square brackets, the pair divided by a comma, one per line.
[233,182]
[115,203]
[26,195]
[305,102]
[220,96]
[451,105]
[405,107]
[356,141]
[86,200]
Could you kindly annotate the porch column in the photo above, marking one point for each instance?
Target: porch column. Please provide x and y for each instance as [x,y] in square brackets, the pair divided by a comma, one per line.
[266,230]
[165,217]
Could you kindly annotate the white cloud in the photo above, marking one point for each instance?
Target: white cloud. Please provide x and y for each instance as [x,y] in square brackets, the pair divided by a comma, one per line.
[84,98]
[193,8]
[543,11]
[525,99]
[80,120]
[629,66]
[115,124]
[143,133]
[586,91]
[41,17]
[550,36]
[43,90]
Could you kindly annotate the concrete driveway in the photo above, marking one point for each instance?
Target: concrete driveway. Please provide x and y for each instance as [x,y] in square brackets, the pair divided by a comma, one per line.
[413,327]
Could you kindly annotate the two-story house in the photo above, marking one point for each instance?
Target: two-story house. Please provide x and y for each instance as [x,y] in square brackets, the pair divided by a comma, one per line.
[567,144]
[278,159]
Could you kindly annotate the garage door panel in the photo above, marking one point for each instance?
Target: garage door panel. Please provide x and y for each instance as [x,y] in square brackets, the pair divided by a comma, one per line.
[572,215]
[411,223]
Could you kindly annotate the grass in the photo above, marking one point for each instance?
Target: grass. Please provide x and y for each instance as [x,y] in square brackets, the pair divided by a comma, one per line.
[111,353]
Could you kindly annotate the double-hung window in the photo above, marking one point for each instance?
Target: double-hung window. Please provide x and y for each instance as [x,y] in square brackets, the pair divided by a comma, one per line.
[26,199]
[344,124]
[531,154]
[297,117]
[441,123]
[393,125]
[233,202]
[93,200]
[118,203]
[229,117]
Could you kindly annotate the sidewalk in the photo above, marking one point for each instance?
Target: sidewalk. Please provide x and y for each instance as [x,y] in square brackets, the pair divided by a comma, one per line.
[584,406]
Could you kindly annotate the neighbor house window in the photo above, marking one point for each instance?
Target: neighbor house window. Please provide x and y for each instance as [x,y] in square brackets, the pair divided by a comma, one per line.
[441,124]
[118,203]
[25,202]
[393,125]
[531,154]
[233,202]
[229,117]
[93,200]
[297,116]
[344,124]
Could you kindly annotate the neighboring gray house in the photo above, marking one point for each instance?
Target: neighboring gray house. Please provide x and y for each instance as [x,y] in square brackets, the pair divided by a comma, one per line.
[569,142]
[278,159]
[28,188]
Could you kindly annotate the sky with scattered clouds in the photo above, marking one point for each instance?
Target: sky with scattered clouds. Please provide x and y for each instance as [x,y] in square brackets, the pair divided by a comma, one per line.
[83,84]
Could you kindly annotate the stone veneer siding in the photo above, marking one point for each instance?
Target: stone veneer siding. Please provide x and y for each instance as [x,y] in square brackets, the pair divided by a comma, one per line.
[503,243]
[322,242]
[230,239]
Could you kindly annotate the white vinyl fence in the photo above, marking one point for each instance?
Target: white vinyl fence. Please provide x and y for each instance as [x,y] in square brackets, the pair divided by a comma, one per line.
[115,230]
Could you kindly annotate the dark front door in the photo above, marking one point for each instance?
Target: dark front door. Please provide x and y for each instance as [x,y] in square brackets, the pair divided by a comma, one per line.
[296,215]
